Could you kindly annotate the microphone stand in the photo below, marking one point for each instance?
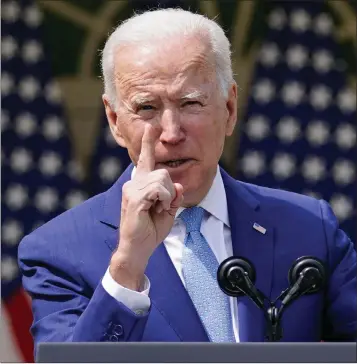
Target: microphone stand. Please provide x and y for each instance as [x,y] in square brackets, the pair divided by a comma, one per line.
[302,286]
[272,313]
[274,331]
[236,276]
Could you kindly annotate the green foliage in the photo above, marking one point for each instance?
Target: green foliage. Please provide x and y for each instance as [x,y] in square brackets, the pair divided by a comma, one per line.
[63,41]
[347,50]
[90,6]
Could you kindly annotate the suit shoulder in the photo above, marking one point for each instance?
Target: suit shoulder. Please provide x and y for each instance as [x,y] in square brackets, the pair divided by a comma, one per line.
[282,199]
[78,220]
[296,215]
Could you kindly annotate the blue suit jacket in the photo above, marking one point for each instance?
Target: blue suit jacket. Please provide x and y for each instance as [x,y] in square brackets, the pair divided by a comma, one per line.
[64,261]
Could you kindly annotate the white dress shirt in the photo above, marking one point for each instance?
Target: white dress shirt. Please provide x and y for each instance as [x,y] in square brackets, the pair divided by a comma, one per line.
[215,228]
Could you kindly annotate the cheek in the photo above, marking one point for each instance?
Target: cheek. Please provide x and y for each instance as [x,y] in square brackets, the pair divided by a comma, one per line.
[136,143]
[207,137]
[214,140]
[132,134]
[212,127]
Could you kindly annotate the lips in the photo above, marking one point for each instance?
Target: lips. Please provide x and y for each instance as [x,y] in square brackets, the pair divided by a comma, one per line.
[174,163]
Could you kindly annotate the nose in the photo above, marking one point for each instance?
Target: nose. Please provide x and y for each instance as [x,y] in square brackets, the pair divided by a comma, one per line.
[171,129]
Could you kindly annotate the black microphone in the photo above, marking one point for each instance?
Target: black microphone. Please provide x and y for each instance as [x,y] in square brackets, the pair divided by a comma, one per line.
[236,277]
[306,276]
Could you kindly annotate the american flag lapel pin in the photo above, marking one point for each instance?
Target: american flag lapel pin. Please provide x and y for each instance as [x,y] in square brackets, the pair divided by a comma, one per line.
[259,228]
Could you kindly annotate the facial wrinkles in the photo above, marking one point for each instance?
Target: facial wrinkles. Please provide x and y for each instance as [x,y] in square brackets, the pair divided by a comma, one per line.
[171,79]
[188,84]
[192,74]
[125,90]
[127,81]
[161,92]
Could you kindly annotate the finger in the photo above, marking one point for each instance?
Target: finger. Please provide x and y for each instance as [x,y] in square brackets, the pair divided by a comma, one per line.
[175,203]
[146,162]
[159,207]
[160,196]
[178,200]
[163,177]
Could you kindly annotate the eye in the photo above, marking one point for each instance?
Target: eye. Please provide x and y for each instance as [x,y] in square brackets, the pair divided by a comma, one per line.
[145,107]
[191,102]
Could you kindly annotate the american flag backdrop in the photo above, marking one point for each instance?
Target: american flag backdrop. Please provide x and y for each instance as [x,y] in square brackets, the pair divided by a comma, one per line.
[299,132]
[38,178]
[109,161]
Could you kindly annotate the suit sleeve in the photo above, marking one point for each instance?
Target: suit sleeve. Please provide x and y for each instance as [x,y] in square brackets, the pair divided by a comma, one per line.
[65,308]
[341,308]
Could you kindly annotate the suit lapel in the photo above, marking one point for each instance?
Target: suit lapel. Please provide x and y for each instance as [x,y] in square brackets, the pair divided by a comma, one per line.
[171,298]
[244,210]
[167,292]
[110,214]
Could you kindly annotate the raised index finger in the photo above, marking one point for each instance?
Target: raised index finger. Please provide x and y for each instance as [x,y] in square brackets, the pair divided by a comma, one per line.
[146,162]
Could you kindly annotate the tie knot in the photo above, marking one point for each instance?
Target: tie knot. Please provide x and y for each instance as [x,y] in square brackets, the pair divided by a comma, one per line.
[192,217]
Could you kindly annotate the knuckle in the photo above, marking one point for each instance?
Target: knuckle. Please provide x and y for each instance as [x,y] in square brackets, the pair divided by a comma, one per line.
[141,162]
[157,186]
[126,188]
[159,190]
[133,200]
[130,193]
[165,174]
[161,174]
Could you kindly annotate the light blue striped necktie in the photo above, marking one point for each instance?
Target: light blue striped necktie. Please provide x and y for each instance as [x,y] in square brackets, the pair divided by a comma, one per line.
[199,267]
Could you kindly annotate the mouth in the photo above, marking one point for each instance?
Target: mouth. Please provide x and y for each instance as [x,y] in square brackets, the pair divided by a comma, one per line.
[176,163]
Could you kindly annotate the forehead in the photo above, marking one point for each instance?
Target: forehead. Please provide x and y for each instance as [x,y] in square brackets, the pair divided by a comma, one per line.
[178,63]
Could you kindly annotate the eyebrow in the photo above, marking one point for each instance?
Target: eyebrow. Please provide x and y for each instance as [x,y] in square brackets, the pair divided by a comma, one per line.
[194,95]
[141,99]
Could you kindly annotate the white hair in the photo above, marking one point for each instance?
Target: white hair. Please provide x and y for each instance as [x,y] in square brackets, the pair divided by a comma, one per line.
[155,25]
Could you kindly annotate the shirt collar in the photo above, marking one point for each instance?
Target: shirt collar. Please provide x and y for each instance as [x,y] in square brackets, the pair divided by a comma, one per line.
[214,202]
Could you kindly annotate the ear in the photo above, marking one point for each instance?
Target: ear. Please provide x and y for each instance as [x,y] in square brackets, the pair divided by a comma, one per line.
[231,107]
[113,121]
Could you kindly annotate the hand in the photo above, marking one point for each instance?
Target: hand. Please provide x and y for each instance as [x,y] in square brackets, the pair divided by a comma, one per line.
[149,204]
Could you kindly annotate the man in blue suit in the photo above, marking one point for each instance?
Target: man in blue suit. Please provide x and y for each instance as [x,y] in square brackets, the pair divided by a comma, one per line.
[139,261]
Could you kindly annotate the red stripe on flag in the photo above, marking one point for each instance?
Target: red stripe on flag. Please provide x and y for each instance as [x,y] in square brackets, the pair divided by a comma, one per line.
[20,319]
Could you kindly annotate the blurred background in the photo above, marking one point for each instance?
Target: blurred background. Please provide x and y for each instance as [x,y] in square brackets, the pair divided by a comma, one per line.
[294,62]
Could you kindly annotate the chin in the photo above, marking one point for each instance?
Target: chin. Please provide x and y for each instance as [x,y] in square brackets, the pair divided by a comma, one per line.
[194,179]
[186,175]
[194,188]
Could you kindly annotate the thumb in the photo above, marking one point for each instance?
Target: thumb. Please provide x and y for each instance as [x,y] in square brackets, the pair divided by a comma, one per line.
[178,200]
